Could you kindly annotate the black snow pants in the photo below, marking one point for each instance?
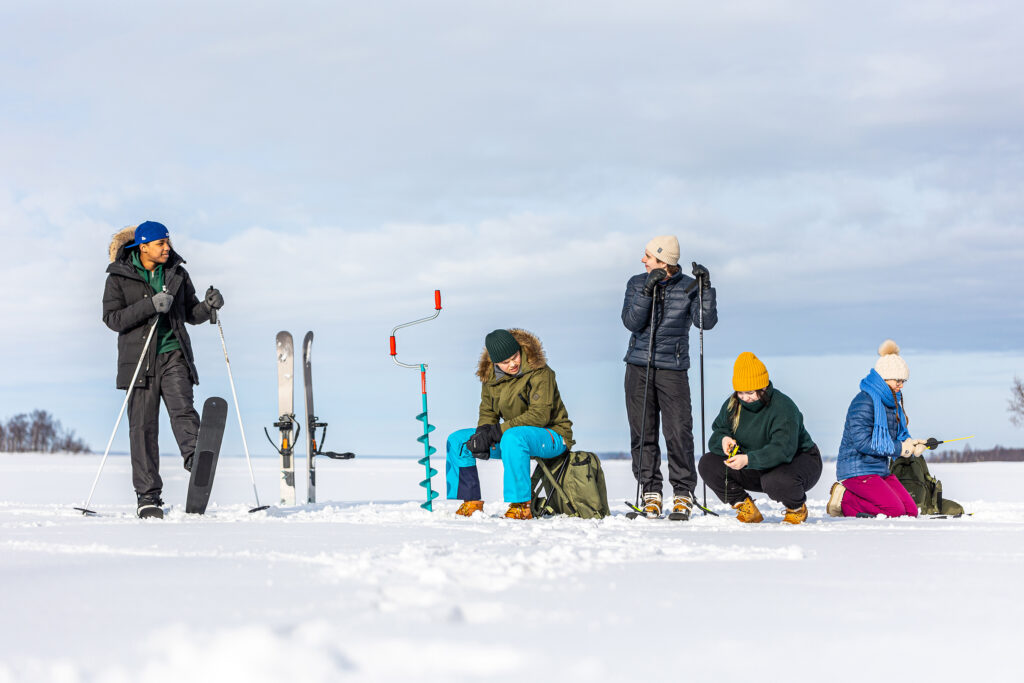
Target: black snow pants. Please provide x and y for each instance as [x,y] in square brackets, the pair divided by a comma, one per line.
[787,483]
[173,382]
[668,398]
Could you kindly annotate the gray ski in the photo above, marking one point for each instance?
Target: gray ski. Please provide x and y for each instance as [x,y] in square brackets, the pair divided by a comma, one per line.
[312,450]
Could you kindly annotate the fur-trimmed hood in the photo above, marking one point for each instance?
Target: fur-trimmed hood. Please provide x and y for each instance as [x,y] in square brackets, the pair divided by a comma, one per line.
[120,239]
[530,347]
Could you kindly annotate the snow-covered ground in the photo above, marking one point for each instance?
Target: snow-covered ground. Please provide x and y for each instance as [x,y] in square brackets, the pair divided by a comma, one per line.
[369,587]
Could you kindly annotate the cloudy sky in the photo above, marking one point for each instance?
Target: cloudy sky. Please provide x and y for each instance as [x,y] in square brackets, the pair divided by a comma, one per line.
[847,172]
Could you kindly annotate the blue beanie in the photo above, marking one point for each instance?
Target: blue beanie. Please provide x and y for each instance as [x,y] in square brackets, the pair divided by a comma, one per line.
[150,231]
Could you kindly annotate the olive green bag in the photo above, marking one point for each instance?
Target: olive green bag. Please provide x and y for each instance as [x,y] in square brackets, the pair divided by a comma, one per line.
[571,484]
[925,489]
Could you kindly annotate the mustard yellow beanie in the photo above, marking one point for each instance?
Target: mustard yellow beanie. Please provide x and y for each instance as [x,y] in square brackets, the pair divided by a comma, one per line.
[749,373]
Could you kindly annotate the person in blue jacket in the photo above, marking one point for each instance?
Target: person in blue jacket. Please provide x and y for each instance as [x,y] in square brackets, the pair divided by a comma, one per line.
[875,432]
[665,384]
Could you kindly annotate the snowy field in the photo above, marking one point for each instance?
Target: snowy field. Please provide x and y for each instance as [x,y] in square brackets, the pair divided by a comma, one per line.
[369,587]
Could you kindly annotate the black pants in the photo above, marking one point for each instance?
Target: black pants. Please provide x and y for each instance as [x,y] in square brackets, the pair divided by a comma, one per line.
[668,397]
[173,383]
[787,483]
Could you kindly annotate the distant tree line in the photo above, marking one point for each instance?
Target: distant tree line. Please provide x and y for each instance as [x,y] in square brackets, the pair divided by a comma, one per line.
[970,455]
[38,432]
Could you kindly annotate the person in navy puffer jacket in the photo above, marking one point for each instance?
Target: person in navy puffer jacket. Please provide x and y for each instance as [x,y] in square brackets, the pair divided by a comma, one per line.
[676,301]
[875,432]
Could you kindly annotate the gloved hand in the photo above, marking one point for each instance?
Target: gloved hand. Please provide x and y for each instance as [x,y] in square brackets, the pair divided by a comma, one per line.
[653,278]
[213,298]
[480,443]
[701,273]
[913,447]
[162,302]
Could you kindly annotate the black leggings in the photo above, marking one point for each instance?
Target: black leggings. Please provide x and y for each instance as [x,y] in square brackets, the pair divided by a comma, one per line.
[787,483]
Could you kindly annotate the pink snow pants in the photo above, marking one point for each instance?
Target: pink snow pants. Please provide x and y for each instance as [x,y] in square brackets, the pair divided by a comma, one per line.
[876,495]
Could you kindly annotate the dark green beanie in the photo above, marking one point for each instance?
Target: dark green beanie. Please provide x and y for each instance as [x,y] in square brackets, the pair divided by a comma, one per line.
[501,345]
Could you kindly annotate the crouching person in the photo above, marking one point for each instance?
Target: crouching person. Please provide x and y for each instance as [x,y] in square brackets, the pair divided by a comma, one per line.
[521,416]
[875,432]
[758,443]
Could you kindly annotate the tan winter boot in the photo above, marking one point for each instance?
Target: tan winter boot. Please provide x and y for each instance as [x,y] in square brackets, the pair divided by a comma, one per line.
[748,512]
[681,506]
[796,516]
[468,507]
[652,505]
[519,511]
[835,500]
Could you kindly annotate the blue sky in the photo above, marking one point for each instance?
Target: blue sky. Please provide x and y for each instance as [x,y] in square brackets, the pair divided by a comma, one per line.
[848,172]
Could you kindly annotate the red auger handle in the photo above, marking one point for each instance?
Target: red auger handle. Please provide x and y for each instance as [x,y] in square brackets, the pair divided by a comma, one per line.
[393,350]
[437,299]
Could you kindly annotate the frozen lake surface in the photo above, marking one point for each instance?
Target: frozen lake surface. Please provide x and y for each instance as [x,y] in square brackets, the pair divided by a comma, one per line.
[366,586]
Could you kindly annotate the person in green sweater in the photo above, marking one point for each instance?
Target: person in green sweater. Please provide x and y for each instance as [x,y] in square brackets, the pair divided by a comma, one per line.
[758,443]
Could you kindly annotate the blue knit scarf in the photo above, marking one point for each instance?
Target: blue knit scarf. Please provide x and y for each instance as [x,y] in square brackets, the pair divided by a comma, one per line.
[882,397]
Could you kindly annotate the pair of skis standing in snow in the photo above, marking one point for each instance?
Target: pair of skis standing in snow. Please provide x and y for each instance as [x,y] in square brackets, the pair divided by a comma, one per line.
[287,424]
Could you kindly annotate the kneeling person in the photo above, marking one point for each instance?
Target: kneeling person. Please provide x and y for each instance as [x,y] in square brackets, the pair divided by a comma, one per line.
[758,443]
[521,416]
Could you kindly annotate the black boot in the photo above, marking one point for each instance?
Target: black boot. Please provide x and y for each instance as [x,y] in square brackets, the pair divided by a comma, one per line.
[150,506]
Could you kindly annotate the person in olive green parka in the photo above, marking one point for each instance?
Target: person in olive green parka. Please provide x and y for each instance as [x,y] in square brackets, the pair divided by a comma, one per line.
[521,416]
[759,443]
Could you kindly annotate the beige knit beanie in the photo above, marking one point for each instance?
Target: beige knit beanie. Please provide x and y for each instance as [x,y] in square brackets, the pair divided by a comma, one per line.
[890,365]
[665,249]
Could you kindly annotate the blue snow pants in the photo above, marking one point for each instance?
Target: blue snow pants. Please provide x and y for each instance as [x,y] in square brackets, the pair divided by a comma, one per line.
[515,449]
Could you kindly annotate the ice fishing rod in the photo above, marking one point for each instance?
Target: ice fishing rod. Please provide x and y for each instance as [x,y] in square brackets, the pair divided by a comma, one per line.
[428,450]
[932,443]
[131,386]
[215,320]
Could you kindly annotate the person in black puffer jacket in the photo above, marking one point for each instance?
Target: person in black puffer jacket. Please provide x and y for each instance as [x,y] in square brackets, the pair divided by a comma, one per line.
[676,301]
[147,283]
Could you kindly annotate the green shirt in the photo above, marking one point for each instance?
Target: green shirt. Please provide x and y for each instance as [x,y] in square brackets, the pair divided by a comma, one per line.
[770,431]
[165,339]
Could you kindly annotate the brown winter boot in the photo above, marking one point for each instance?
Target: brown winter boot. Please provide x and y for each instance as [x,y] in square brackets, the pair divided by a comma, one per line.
[748,512]
[652,505]
[834,508]
[468,507]
[519,511]
[796,516]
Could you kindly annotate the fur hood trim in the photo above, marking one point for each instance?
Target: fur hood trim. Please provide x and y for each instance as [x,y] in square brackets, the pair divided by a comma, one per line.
[530,347]
[120,239]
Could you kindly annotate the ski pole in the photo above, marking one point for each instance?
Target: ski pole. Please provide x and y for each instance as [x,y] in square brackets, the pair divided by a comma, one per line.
[700,327]
[643,412]
[214,318]
[428,450]
[932,443]
[131,386]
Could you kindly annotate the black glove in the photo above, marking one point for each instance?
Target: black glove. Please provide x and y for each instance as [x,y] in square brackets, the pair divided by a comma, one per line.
[702,274]
[480,443]
[213,298]
[162,302]
[653,278]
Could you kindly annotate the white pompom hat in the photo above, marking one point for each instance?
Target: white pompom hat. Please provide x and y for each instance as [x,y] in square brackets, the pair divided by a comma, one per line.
[890,365]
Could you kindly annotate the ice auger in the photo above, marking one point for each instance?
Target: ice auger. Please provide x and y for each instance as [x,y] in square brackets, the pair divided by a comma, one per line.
[428,450]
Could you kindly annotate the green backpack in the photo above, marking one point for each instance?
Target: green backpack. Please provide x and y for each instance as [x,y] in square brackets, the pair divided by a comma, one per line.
[571,484]
[925,489]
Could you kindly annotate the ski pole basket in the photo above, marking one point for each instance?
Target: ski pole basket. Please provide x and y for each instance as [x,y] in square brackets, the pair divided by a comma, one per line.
[428,450]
